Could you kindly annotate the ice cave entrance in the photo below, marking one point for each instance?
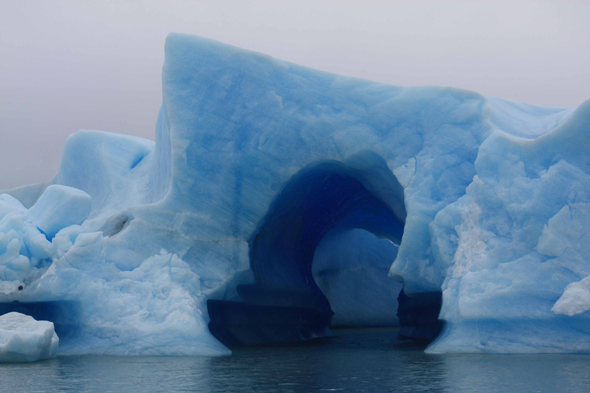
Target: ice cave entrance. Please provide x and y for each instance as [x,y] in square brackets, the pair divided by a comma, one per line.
[338,224]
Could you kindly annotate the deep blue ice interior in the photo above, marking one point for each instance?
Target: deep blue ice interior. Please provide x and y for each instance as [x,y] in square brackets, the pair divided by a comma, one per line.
[285,304]
[314,202]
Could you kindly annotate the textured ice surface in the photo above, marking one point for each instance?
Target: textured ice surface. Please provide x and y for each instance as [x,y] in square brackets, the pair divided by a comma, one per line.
[23,339]
[57,208]
[493,197]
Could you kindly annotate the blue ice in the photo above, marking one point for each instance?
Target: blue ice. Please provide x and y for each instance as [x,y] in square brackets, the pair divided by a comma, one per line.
[268,178]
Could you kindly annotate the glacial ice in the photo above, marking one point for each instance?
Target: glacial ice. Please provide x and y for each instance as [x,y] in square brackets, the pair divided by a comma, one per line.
[266,177]
[351,269]
[23,339]
[57,208]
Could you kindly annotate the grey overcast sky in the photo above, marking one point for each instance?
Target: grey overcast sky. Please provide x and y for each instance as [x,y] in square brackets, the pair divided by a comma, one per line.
[69,65]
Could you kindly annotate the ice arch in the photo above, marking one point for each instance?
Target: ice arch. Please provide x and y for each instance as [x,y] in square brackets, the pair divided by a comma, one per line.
[319,199]
[284,303]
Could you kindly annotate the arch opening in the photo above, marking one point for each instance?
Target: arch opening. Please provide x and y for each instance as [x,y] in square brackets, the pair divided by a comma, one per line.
[323,201]
[324,198]
[351,269]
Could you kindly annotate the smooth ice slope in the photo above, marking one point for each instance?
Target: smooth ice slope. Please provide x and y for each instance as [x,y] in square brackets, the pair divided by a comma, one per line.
[493,197]
[22,339]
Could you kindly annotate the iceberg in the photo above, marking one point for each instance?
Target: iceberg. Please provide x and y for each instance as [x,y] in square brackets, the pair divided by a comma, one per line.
[22,339]
[278,200]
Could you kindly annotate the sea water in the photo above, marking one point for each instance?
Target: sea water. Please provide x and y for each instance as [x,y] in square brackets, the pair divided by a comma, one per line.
[367,360]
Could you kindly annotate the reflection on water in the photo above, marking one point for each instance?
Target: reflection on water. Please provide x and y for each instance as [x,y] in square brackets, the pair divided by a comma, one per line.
[353,361]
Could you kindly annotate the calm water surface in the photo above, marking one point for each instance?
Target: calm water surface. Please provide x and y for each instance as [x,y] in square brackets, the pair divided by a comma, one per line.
[353,361]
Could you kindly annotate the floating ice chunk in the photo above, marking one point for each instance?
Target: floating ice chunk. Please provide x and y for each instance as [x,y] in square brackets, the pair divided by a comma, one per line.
[59,207]
[23,339]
